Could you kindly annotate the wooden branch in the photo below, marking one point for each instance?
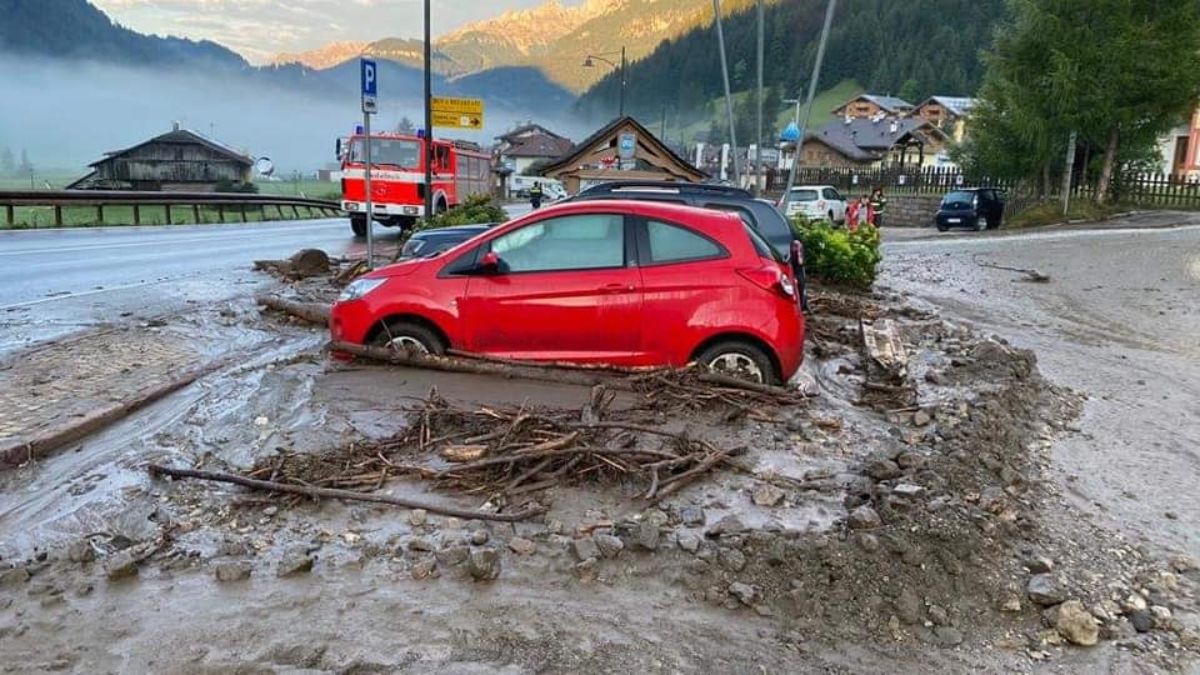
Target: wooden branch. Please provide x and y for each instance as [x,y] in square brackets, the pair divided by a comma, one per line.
[268,486]
[693,473]
[312,312]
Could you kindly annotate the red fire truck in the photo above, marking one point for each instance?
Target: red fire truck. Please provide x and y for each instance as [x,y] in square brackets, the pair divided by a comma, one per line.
[460,169]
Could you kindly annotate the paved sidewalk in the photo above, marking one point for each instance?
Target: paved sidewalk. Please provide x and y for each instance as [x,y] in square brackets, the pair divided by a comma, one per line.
[53,392]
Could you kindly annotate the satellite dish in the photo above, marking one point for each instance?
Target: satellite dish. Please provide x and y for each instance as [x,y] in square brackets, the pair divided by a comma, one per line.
[264,166]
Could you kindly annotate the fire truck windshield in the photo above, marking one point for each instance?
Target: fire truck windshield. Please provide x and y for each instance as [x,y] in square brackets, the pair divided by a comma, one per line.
[405,154]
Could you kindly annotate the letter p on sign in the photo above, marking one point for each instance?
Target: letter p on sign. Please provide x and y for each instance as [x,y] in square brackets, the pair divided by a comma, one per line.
[369,84]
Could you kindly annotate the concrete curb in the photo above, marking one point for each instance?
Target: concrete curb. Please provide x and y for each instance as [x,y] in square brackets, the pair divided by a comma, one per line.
[15,454]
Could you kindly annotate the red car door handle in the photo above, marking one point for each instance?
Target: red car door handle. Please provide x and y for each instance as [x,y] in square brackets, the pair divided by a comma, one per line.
[617,288]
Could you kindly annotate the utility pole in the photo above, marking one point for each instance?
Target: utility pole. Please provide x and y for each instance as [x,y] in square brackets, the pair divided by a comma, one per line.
[758,170]
[624,65]
[728,96]
[1068,171]
[812,92]
[428,140]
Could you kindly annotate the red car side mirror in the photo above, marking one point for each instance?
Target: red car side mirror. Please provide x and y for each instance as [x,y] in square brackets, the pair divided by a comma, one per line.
[490,262]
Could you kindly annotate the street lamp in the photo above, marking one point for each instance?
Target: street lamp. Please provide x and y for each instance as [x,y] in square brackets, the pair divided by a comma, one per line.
[590,62]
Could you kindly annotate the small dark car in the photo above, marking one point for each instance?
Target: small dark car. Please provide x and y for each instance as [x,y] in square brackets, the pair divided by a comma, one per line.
[760,214]
[428,243]
[975,208]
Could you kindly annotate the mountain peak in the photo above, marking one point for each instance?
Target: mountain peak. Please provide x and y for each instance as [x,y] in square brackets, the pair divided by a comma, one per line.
[324,57]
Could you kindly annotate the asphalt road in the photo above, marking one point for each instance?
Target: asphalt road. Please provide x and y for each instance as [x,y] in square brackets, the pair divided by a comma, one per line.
[55,282]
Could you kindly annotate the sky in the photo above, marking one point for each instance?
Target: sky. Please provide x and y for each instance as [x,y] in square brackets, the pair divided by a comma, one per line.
[258,29]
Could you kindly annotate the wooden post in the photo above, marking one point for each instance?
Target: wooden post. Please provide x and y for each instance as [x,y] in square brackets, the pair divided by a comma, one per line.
[58,216]
[196,212]
[295,212]
[243,212]
[137,214]
[167,210]
[9,216]
[279,210]
[221,212]
[99,214]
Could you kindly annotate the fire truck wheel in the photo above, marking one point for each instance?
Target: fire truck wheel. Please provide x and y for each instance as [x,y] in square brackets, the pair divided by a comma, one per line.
[359,225]
[441,207]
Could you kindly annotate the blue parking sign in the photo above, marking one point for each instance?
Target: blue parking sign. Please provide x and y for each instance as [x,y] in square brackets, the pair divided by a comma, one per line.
[370,84]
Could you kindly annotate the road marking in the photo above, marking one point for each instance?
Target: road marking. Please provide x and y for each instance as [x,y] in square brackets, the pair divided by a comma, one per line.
[214,236]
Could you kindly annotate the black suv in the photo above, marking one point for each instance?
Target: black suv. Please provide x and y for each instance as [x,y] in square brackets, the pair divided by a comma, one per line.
[976,208]
[759,214]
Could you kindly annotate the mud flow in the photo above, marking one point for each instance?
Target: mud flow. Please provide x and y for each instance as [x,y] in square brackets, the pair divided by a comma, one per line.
[888,511]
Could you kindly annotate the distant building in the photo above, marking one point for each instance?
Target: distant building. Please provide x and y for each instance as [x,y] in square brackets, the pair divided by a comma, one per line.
[948,113]
[180,160]
[1180,149]
[866,106]
[621,149]
[908,142]
[529,144]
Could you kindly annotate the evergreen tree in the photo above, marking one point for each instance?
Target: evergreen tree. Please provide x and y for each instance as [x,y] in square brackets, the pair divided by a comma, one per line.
[405,126]
[26,166]
[8,165]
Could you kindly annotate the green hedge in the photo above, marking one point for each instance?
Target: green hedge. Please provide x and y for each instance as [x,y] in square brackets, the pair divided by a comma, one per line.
[477,209]
[837,255]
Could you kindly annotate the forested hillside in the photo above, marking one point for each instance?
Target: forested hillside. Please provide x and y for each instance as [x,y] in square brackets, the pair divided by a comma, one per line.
[909,48]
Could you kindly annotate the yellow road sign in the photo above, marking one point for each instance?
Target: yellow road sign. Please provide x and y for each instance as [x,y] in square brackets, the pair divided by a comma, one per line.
[455,120]
[460,106]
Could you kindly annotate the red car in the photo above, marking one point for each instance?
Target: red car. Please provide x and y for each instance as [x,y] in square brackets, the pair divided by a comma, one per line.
[628,283]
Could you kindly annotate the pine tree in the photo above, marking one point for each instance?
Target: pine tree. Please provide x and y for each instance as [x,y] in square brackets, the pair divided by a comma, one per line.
[26,166]
[8,165]
[405,126]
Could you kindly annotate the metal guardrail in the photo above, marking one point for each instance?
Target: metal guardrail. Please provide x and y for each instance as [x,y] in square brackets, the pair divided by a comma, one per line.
[99,199]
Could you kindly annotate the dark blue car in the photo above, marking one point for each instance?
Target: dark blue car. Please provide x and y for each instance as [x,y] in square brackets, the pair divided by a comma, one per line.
[428,243]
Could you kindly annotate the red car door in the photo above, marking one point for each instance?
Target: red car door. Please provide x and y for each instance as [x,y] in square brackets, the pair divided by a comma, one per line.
[683,275]
[565,288]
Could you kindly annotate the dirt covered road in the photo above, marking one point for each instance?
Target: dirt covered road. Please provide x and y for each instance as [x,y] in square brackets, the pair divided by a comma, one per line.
[919,523]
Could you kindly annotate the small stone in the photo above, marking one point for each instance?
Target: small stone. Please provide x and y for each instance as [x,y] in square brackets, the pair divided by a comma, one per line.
[939,616]
[732,559]
[1045,590]
[295,561]
[688,541]
[484,564]
[418,517]
[1039,564]
[453,555]
[730,524]
[908,606]
[120,565]
[587,571]
[1011,603]
[584,549]
[947,636]
[608,545]
[907,490]
[261,421]
[81,551]
[868,542]
[933,377]
[745,593]
[1161,615]
[647,536]
[479,537]
[234,570]
[13,577]
[767,495]
[522,546]
[1142,620]
[921,418]
[1135,603]
[1076,624]
[993,500]
[423,569]
[1183,563]
[1171,515]
[911,460]
[692,516]
[883,469]
[864,518]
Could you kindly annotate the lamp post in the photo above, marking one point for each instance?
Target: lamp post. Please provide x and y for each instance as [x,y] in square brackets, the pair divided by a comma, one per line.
[590,62]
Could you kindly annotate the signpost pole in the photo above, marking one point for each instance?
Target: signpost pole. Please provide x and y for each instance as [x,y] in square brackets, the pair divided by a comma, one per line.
[428,140]
[368,76]
[367,185]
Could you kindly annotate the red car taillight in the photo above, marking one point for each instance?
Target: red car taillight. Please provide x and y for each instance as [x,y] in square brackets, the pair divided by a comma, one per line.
[770,278]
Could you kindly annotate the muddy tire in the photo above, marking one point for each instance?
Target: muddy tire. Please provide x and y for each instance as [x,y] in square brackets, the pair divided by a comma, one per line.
[358,225]
[942,228]
[413,337]
[739,359]
[981,224]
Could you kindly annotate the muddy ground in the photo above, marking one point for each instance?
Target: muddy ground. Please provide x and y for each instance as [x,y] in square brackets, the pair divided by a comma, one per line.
[914,530]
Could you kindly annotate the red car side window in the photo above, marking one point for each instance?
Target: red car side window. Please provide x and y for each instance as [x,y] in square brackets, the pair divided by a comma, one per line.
[579,242]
